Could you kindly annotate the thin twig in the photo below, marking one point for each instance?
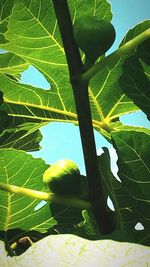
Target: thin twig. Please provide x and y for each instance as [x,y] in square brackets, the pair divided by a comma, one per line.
[70,201]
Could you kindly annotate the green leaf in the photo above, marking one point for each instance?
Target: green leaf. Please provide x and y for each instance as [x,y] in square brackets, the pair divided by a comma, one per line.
[70,250]
[109,182]
[134,168]
[100,9]
[104,88]
[126,209]
[6,9]
[32,104]
[135,80]
[1,97]
[28,109]
[133,152]
[21,169]
[134,128]
[17,134]
[124,218]
[12,64]
[25,137]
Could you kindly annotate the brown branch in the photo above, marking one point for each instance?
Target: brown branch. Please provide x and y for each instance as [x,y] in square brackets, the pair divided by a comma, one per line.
[80,90]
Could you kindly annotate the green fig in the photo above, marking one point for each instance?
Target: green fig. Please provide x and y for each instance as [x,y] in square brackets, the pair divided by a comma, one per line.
[63,178]
[94,37]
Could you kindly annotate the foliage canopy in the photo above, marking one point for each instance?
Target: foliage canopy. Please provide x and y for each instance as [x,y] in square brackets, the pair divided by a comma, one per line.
[120,85]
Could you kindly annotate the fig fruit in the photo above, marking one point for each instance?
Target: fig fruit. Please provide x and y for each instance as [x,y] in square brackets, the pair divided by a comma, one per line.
[63,178]
[94,37]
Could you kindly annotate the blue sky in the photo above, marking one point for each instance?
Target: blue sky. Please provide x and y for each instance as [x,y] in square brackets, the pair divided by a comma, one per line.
[61,140]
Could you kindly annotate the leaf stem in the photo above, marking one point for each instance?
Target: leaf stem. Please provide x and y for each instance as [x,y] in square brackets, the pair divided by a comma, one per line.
[70,201]
[122,51]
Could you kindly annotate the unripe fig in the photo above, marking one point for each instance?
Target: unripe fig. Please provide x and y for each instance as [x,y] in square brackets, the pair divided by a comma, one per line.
[94,37]
[63,178]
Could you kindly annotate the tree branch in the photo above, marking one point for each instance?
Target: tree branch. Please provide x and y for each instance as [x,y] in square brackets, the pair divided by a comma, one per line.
[80,90]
